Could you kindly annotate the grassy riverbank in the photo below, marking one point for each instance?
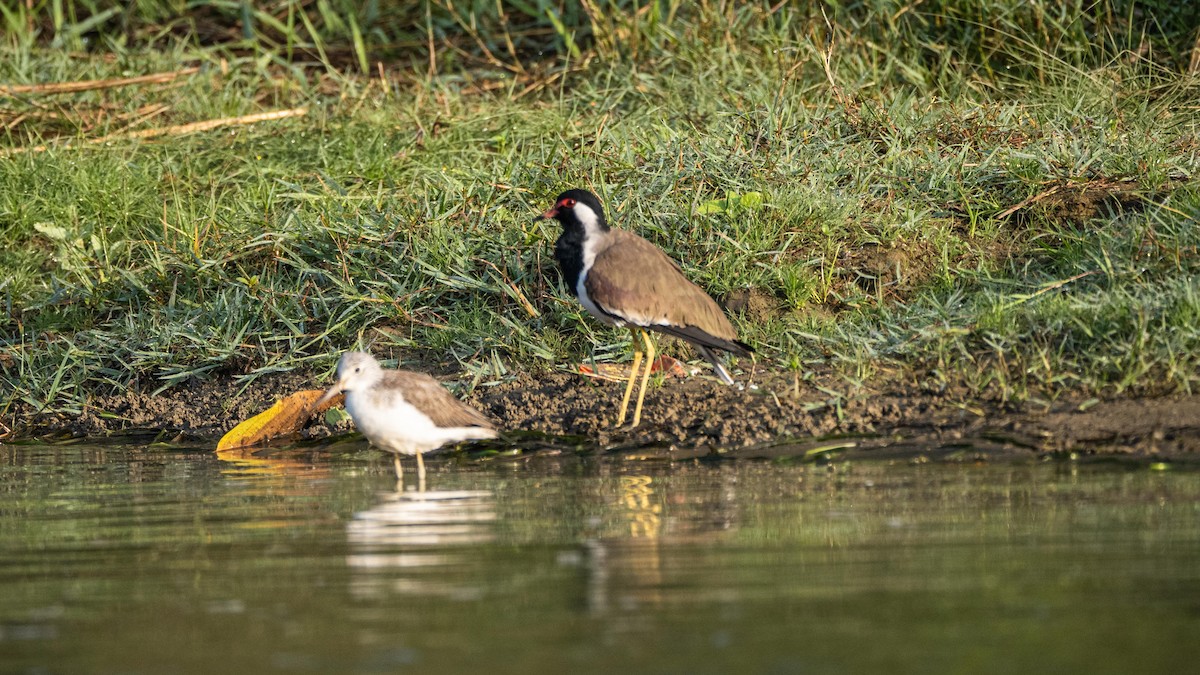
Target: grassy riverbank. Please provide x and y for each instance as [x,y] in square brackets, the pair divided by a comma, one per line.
[1005,201]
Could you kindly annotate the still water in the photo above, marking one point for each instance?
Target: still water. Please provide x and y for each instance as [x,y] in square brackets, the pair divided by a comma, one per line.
[161,559]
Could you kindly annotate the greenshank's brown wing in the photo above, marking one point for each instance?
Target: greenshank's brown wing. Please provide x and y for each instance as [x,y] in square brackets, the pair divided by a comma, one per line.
[428,395]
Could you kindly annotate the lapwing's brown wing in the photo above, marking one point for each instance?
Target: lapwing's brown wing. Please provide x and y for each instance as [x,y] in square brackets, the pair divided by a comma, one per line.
[635,281]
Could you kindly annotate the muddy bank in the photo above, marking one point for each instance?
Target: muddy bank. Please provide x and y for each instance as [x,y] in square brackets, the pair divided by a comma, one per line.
[772,415]
[779,417]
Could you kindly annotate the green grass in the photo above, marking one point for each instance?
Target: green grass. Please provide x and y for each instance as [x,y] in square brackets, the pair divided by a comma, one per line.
[401,217]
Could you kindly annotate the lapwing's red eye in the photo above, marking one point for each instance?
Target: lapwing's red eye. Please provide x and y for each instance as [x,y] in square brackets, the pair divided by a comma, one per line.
[568,203]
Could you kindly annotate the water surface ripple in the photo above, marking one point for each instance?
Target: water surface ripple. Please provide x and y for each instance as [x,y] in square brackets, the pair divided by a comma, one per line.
[162,559]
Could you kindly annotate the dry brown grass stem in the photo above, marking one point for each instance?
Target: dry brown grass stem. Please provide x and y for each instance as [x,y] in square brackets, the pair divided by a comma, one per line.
[88,85]
[178,129]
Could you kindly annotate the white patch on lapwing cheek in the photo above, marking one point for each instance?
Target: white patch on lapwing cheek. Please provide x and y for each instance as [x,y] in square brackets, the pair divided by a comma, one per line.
[591,226]
[592,234]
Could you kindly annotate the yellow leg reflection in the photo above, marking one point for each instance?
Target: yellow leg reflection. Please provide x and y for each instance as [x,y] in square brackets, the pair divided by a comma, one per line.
[640,557]
[645,514]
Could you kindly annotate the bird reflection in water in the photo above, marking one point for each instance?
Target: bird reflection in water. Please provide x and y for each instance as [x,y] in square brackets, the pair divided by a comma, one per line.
[400,544]
[635,560]
[641,507]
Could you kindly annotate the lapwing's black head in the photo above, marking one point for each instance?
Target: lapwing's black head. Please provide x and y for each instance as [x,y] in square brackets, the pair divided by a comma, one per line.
[578,210]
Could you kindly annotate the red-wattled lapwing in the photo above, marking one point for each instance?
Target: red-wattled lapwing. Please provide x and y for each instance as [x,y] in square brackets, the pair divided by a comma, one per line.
[624,280]
[403,412]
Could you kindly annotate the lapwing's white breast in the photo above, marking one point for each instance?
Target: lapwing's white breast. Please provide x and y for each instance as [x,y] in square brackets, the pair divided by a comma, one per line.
[616,316]
[593,238]
[590,306]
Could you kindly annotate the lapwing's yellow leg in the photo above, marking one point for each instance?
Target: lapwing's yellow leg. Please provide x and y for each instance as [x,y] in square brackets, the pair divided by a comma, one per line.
[399,473]
[637,359]
[637,411]
[420,473]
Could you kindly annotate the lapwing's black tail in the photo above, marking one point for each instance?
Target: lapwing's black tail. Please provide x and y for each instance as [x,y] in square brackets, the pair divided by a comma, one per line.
[715,360]
[700,338]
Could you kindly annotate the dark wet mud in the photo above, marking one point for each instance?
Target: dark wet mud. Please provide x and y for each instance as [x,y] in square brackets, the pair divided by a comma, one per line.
[771,415]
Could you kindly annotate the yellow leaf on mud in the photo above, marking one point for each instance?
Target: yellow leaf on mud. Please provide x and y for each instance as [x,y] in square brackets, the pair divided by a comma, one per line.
[287,416]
